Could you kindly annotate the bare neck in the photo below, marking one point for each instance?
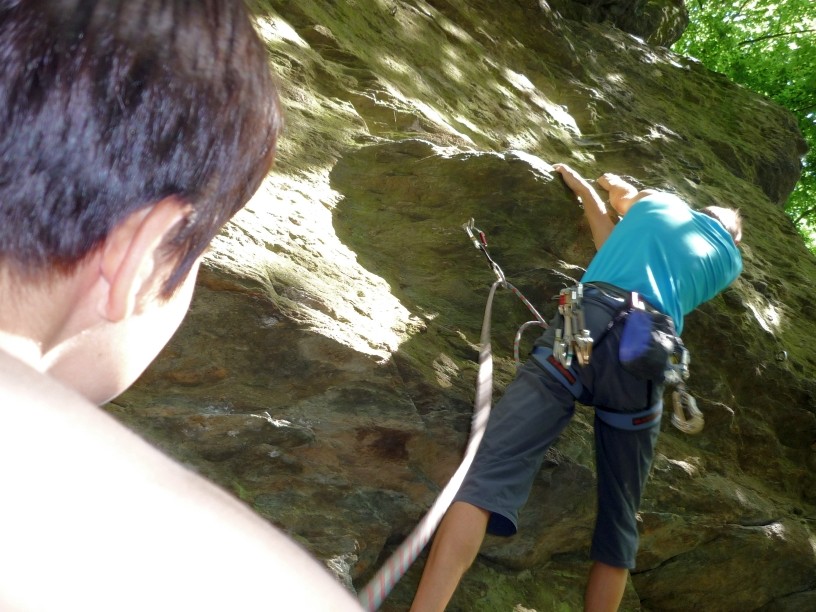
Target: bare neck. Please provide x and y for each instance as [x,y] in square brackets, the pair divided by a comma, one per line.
[36,317]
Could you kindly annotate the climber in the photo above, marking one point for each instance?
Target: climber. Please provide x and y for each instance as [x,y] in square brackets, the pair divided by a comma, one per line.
[674,258]
[130,133]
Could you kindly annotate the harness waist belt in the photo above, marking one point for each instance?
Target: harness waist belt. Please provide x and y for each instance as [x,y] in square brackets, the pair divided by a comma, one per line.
[621,294]
[632,421]
[566,376]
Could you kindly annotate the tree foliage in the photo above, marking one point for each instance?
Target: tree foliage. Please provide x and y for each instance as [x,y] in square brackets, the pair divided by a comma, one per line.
[768,46]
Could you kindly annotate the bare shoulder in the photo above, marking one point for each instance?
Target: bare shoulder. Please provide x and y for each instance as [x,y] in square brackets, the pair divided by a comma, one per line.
[109,522]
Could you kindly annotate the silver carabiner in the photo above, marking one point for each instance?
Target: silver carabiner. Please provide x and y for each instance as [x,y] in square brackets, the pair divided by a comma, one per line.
[575,339]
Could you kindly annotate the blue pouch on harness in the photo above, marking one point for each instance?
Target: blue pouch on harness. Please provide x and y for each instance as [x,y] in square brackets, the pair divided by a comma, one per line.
[647,343]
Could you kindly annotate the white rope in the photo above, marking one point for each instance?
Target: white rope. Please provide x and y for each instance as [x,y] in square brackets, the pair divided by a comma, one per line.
[398,563]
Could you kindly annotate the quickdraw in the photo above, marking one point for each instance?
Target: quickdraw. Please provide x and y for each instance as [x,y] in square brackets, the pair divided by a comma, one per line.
[573,339]
[479,239]
[685,416]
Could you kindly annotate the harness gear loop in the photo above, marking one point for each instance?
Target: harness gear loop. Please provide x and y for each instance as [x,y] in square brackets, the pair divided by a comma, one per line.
[573,340]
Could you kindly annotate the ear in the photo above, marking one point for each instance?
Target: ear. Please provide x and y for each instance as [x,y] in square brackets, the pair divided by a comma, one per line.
[131,261]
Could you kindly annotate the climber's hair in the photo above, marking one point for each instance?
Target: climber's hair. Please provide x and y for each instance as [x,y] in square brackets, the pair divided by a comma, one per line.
[729,218]
[107,107]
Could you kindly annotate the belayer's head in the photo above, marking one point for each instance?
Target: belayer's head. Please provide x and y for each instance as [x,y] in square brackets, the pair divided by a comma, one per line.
[110,106]
[130,132]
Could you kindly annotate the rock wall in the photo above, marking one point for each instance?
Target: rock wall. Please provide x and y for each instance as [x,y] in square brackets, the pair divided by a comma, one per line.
[326,371]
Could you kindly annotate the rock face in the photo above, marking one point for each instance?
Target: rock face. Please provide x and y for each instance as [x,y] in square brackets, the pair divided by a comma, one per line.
[326,371]
[658,22]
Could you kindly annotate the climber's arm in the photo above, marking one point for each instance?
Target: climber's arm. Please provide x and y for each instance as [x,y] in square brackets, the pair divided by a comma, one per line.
[595,210]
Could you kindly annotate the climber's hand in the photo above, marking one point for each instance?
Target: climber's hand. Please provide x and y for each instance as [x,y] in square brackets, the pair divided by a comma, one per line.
[595,210]
[579,186]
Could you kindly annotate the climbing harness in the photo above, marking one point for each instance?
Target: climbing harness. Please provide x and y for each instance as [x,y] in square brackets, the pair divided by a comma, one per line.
[381,584]
[573,340]
[569,378]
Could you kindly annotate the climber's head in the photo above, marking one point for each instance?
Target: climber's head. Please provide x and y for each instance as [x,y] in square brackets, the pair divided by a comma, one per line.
[729,218]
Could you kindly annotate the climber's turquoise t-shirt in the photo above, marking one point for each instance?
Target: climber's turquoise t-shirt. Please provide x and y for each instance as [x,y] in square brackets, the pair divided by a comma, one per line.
[675,257]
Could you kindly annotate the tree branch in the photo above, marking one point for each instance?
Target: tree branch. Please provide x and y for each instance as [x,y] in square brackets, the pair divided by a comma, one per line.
[767,36]
[742,6]
[805,214]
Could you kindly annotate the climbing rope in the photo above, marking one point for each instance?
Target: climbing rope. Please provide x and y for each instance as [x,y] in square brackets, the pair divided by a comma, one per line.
[398,563]
[381,584]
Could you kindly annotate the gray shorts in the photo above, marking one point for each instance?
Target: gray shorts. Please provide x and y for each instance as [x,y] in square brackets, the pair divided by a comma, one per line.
[533,412]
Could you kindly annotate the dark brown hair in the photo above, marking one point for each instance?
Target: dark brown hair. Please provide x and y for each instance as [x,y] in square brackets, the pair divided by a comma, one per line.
[108,106]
